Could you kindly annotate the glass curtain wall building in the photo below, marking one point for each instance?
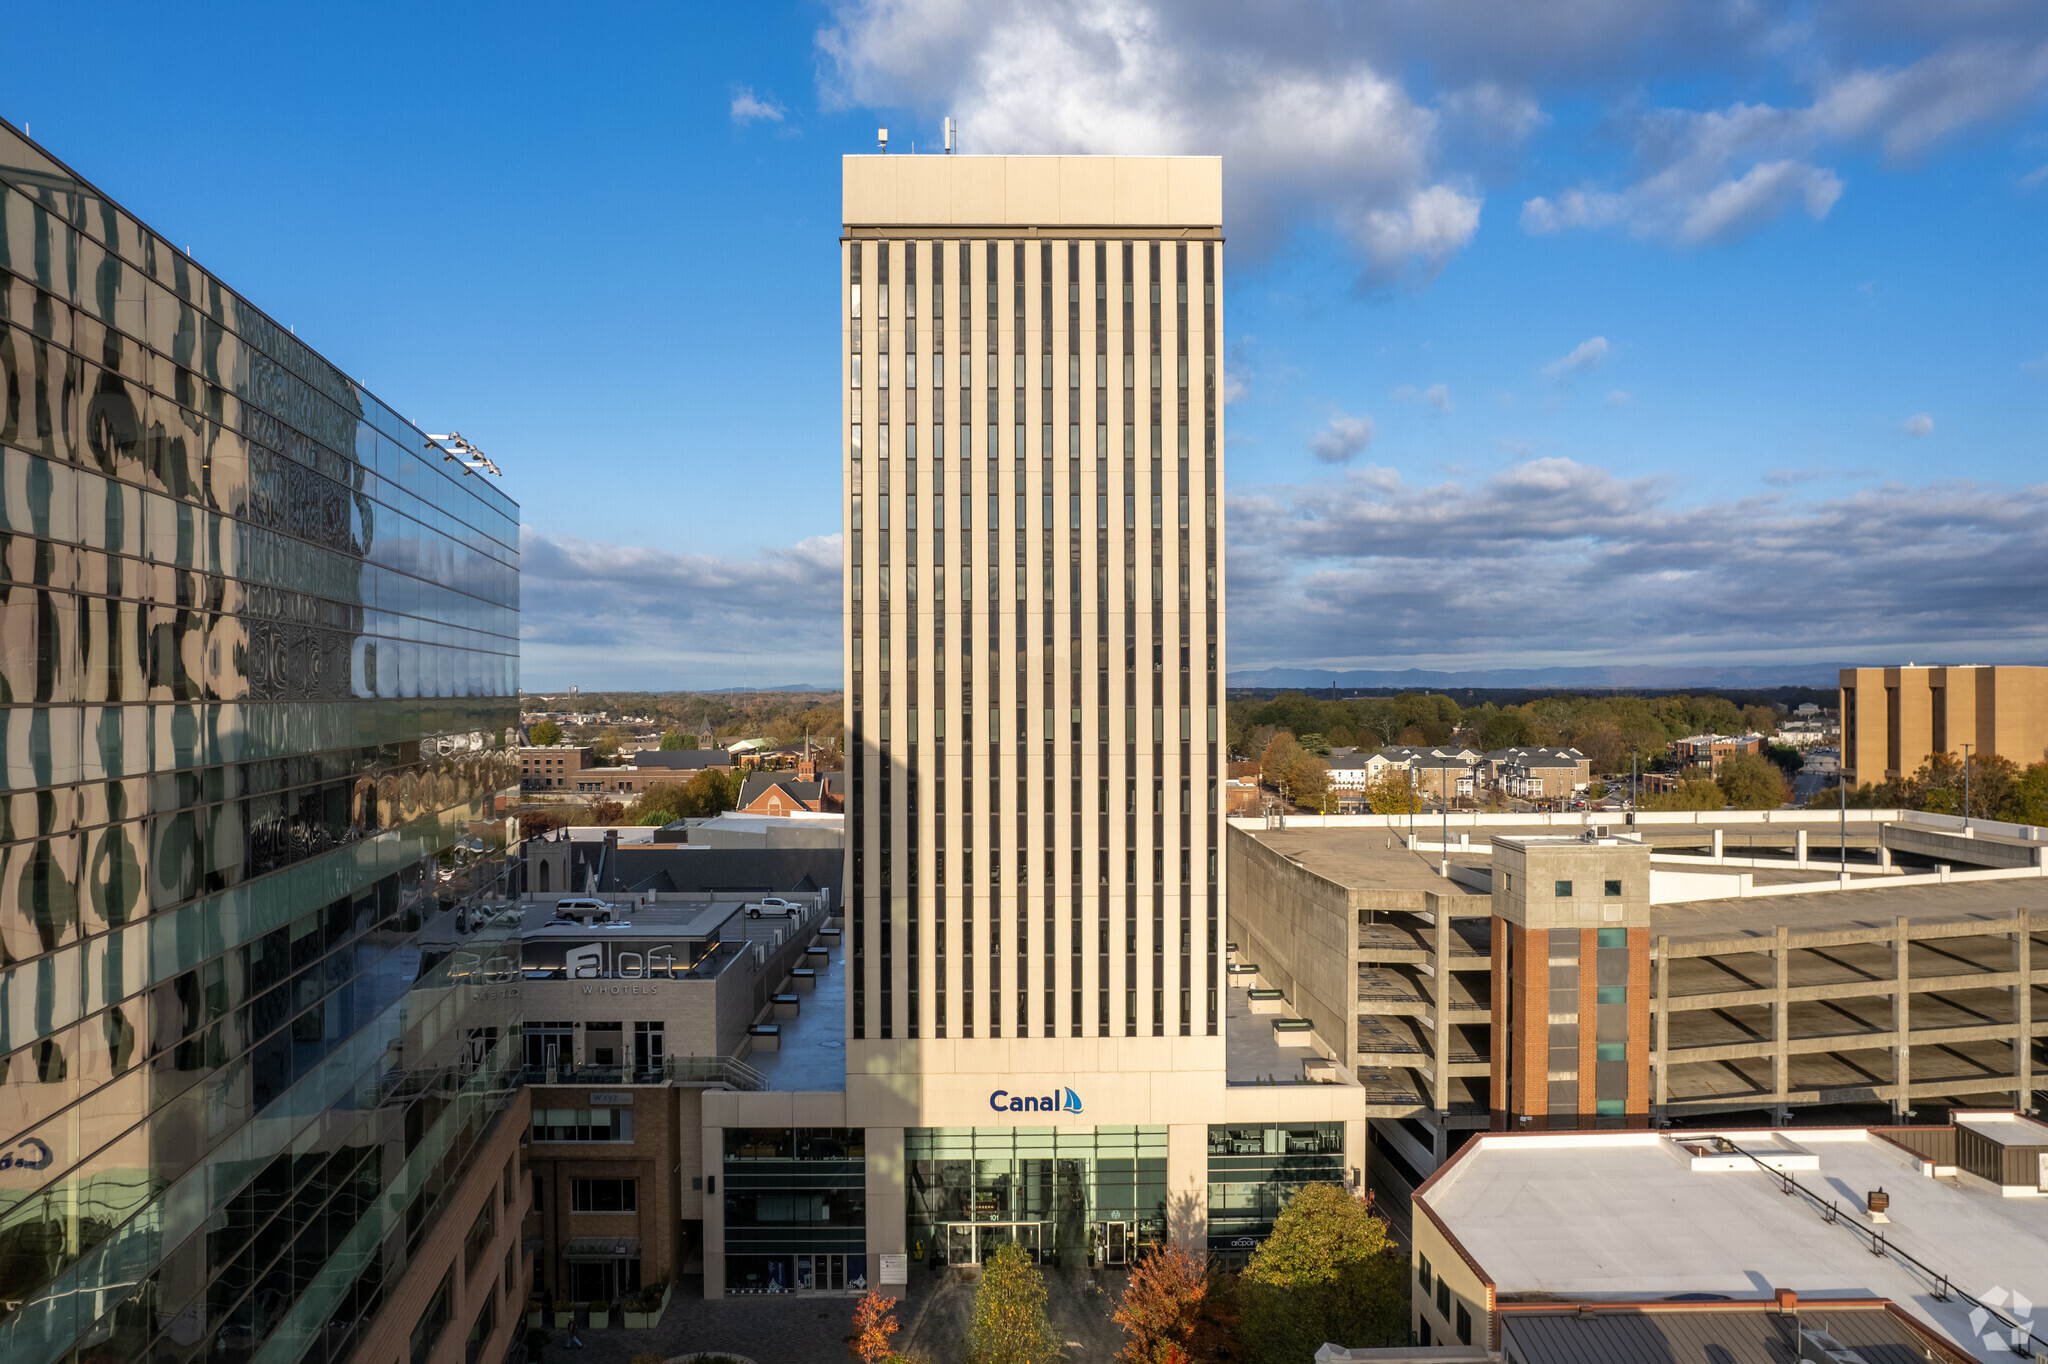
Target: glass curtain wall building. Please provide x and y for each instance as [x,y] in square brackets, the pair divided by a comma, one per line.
[258,686]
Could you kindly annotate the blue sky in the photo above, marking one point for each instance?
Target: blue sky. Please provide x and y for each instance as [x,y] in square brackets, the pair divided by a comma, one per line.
[1580,332]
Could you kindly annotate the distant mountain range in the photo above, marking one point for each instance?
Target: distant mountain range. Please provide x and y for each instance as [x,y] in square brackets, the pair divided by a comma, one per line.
[794,686]
[1644,676]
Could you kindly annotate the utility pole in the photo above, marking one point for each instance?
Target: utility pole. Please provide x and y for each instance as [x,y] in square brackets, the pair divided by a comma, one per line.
[1443,775]
[1844,790]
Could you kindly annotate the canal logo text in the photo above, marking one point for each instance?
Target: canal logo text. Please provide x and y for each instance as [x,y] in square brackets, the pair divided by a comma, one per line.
[1059,1101]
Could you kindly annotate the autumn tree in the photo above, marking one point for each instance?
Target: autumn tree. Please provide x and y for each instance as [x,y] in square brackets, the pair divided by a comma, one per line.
[544,734]
[676,741]
[1010,1325]
[606,812]
[1288,767]
[874,1322]
[1161,1306]
[1327,1273]
[1750,781]
[1394,793]
[535,823]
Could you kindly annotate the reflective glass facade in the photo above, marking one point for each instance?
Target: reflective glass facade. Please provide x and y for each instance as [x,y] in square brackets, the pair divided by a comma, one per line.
[258,678]
[1254,1172]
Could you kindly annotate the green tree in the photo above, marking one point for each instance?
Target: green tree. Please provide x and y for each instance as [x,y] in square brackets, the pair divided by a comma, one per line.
[1327,1273]
[707,793]
[1694,793]
[1010,1325]
[675,741]
[544,734]
[2027,803]
[1750,781]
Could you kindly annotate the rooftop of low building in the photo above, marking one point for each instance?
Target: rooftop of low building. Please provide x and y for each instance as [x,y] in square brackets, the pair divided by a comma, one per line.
[1635,1216]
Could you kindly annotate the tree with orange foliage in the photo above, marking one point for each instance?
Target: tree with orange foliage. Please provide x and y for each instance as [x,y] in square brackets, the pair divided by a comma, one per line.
[1161,1305]
[874,1321]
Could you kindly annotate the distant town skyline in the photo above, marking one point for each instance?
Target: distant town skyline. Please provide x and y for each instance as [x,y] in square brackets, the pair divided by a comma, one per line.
[1589,335]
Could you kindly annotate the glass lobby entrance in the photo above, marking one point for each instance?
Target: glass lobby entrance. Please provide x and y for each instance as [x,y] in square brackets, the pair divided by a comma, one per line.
[1068,1197]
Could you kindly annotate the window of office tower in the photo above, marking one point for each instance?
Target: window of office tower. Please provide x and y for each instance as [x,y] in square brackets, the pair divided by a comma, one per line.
[1158,697]
[1075,930]
[1102,576]
[236,784]
[1129,773]
[1211,816]
[857,763]
[1183,819]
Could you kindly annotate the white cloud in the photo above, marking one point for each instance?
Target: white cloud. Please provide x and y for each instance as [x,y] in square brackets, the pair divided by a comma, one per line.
[2039,366]
[1310,116]
[1342,439]
[1734,208]
[1579,560]
[1919,424]
[1708,176]
[2034,179]
[746,108]
[1437,397]
[1586,355]
[1619,397]
[648,617]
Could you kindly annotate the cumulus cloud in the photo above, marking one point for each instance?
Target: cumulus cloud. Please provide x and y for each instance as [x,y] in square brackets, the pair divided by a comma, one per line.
[652,617]
[1314,123]
[746,108]
[1554,557]
[1437,397]
[1919,424]
[1342,439]
[1705,176]
[1586,355]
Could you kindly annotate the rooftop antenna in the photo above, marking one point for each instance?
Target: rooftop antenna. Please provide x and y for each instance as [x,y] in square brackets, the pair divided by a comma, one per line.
[882,139]
[949,134]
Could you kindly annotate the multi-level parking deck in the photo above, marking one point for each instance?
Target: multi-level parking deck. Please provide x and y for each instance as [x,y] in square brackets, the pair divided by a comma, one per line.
[1773,986]
[1901,996]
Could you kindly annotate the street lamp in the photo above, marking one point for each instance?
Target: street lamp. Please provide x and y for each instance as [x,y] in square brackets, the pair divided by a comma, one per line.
[1966,788]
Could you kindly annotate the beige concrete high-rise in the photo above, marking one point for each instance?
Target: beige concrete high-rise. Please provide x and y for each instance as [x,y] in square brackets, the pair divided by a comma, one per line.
[1894,719]
[1032,356]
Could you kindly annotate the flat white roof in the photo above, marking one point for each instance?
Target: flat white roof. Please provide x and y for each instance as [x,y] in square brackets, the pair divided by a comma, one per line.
[2008,1129]
[1623,1215]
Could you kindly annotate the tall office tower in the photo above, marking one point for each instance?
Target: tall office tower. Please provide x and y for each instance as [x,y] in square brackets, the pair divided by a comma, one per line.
[1034,595]
[257,1098]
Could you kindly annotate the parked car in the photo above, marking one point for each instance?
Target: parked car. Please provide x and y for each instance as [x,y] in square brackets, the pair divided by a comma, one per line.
[772,907]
